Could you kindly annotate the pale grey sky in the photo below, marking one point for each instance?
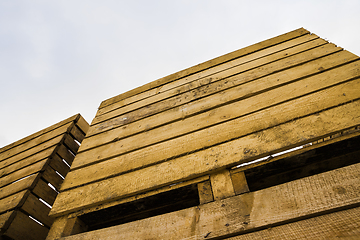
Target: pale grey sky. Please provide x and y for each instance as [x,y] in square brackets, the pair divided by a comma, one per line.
[59,58]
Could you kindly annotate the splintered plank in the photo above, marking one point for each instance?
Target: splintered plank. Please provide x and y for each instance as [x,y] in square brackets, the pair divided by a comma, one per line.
[338,225]
[303,198]
[36,141]
[13,201]
[23,227]
[269,54]
[32,136]
[259,67]
[192,102]
[7,167]
[18,186]
[197,68]
[37,167]
[32,151]
[248,148]
[228,130]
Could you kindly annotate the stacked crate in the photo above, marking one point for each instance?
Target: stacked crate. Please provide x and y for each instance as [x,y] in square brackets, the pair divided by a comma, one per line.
[31,173]
[266,137]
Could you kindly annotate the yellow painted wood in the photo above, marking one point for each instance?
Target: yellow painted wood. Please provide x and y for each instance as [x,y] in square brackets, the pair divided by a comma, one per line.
[37,167]
[248,148]
[13,201]
[36,141]
[23,227]
[221,185]
[242,68]
[205,192]
[287,111]
[32,136]
[19,186]
[312,196]
[208,64]
[239,182]
[190,81]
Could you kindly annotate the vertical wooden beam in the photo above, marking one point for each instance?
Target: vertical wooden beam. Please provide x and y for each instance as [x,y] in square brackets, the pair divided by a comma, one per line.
[239,182]
[64,226]
[221,184]
[205,192]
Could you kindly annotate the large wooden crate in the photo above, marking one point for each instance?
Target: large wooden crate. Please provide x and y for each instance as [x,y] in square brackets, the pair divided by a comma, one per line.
[202,153]
[31,172]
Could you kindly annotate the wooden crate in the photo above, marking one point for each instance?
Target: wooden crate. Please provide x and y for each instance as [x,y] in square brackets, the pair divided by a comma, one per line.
[177,146]
[31,173]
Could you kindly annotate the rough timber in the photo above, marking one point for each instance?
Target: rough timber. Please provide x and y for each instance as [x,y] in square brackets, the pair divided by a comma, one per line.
[174,159]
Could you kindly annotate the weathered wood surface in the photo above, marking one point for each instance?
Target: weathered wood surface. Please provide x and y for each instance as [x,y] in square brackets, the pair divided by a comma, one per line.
[13,201]
[338,225]
[303,198]
[37,134]
[197,68]
[205,192]
[219,133]
[246,72]
[239,182]
[37,209]
[247,148]
[45,192]
[19,186]
[22,227]
[221,184]
[201,104]
[5,220]
[216,73]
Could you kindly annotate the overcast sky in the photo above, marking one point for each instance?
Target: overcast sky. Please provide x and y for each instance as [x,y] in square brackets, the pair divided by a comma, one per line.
[59,58]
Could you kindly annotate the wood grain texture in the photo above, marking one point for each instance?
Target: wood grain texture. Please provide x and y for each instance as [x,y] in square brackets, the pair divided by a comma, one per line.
[250,147]
[37,209]
[239,182]
[303,198]
[219,133]
[13,201]
[207,64]
[221,184]
[5,220]
[27,183]
[249,61]
[205,192]
[43,191]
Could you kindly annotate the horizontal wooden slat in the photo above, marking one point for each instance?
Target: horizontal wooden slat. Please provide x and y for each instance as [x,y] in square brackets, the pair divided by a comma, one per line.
[242,91]
[263,66]
[208,64]
[23,227]
[13,201]
[37,167]
[250,147]
[190,82]
[21,185]
[32,151]
[230,129]
[8,167]
[32,136]
[36,141]
[52,177]
[57,164]
[338,225]
[303,198]
[37,209]
[64,153]
[43,191]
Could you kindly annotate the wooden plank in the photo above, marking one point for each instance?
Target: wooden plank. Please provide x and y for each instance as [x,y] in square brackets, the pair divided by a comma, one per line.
[7,167]
[226,85]
[36,141]
[43,191]
[276,139]
[256,68]
[23,227]
[52,177]
[5,220]
[37,167]
[190,81]
[339,225]
[37,209]
[77,134]
[71,144]
[13,201]
[313,196]
[82,124]
[19,186]
[57,164]
[239,182]
[213,135]
[205,192]
[64,153]
[32,151]
[208,64]
[221,185]
[48,129]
